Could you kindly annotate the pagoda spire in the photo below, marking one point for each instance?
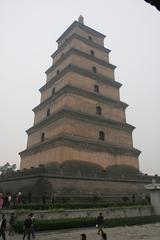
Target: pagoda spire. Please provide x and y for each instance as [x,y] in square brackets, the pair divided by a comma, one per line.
[81,19]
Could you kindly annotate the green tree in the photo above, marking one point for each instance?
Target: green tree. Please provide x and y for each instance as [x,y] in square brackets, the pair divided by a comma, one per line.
[6,168]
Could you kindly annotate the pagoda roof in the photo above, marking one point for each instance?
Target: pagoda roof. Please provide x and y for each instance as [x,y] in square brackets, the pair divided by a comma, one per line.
[85,40]
[81,92]
[81,54]
[85,72]
[81,143]
[73,114]
[83,27]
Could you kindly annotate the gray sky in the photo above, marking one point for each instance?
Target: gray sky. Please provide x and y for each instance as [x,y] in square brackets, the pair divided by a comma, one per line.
[29,29]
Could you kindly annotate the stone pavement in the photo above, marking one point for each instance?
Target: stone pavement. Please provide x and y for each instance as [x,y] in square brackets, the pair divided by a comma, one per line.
[146,232]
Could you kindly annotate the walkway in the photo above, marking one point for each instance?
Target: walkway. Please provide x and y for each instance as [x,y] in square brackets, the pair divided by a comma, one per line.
[146,232]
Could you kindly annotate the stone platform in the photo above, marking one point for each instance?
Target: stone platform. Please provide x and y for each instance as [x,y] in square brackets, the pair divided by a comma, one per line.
[74,185]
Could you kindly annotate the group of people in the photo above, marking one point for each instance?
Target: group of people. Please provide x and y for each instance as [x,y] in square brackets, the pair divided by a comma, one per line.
[99,225]
[10,199]
[28,227]
[3,225]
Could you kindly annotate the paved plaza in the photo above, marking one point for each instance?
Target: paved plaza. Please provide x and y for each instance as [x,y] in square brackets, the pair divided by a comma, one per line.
[147,232]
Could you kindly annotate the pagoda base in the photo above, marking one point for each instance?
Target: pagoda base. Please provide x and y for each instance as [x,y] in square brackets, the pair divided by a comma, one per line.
[64,148]
[65,186]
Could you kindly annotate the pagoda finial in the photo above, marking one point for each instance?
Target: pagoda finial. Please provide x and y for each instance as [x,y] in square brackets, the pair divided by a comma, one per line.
[81,19]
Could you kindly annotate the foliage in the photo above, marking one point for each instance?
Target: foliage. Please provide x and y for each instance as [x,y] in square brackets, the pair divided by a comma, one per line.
[79,205]
[6,168]
[44,225]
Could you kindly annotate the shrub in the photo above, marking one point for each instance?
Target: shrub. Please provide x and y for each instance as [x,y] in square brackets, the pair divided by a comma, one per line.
[43,225]
[76,205]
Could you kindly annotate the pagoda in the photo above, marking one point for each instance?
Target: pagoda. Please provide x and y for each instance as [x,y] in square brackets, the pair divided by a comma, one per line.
[80,120]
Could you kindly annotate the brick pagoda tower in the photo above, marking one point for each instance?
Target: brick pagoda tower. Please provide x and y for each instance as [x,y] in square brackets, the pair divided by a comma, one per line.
[80,119]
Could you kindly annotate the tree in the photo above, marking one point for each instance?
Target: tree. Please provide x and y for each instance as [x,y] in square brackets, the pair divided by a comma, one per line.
[6,168]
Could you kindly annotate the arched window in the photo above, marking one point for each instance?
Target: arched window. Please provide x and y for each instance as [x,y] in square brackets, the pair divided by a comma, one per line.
[42,137]
[99,110]
[90,38]
[53,91]
[57,71]
[96,88]
[94,69]
[101,135]
[92,52]
[48,112]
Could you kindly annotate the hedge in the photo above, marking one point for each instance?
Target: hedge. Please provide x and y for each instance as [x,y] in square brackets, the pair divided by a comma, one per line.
[43,225]
[75,205]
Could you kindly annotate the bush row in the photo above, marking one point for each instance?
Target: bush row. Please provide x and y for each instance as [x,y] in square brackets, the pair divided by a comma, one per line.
[43,225]
[75,205]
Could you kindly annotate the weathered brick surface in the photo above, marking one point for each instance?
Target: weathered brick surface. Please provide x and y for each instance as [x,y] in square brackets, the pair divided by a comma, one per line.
[70,187]
[81,82]
[63,153]
[82,104]
[84,63]
[84,34]
[76,43]
[85,129]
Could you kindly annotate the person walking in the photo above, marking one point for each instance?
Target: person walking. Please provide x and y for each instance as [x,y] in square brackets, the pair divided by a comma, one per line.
[100,222]
[33,225]
[27,227]
[19,198]
[3,227]
[12,222]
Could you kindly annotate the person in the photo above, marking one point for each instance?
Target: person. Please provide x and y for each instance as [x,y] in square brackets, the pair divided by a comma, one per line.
[9,200]
[27,227]
[100,222]
[5,200]
[3,227]
[83,236]
[1,200]
[14,197]
[32,226]
[103,235]
[12,222]
[19,198]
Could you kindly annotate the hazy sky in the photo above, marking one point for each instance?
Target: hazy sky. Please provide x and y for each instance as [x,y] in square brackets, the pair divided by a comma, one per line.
[29,29]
